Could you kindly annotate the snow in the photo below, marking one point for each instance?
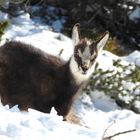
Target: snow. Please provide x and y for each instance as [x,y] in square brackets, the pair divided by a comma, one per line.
[36,125]
[133,57]
[100,115]
[3,16]
[25,30]
[135,15]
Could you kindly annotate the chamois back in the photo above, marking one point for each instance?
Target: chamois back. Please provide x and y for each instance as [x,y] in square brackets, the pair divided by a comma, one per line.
[31,78]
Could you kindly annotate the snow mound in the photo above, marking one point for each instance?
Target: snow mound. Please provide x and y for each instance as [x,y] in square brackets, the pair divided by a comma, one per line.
[16,125]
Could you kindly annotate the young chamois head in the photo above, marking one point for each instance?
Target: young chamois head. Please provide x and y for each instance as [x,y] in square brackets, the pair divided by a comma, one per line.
[85,54]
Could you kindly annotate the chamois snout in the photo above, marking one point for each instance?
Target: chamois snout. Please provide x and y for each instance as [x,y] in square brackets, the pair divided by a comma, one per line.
[85,66]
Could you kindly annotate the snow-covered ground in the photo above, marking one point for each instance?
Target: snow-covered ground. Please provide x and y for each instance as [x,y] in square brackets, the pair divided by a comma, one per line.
[100,115]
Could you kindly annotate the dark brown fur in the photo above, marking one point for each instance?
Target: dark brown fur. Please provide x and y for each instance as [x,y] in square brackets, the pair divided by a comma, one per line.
[31,78]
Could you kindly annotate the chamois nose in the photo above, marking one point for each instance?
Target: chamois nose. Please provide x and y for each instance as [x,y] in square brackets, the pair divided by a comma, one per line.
[85,67]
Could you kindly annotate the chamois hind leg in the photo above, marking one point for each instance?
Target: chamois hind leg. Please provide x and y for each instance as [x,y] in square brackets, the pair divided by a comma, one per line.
[71,117]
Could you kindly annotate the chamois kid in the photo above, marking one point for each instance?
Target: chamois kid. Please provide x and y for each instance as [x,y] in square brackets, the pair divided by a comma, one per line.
[31,78]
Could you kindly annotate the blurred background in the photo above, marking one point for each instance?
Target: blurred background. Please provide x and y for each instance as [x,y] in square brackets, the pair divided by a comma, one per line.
[121,18]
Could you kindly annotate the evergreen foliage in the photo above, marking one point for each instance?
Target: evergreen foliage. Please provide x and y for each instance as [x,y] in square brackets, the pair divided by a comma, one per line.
[122,84]
[3,26]
[111,15]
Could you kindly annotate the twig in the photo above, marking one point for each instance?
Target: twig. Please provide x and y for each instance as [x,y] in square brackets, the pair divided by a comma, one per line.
[120,133]
[61,51]
[107,129]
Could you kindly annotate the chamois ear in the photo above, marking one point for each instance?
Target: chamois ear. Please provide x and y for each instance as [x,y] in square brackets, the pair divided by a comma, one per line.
[76,34]
[102,41]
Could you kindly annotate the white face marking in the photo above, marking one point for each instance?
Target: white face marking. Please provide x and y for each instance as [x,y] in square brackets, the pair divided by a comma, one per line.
[86,53]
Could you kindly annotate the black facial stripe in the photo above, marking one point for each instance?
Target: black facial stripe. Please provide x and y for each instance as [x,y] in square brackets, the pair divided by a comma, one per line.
[81,46]
[78,59]
[93,48]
